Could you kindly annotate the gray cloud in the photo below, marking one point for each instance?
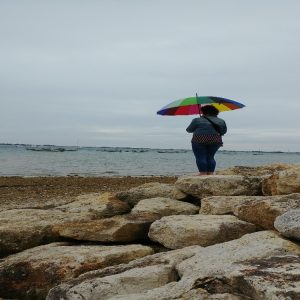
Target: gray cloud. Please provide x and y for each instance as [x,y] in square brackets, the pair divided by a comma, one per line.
[97,71]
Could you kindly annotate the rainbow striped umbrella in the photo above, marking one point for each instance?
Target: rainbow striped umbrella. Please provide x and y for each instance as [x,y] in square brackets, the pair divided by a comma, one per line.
[192,105]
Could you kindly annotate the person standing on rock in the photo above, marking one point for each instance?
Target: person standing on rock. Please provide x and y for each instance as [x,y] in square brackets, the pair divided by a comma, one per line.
[207,138]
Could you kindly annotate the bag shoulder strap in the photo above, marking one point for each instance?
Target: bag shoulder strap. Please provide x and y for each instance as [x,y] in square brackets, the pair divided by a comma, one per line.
[216,127]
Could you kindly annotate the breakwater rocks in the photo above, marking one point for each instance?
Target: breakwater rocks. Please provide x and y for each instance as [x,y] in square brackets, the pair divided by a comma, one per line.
[234,235]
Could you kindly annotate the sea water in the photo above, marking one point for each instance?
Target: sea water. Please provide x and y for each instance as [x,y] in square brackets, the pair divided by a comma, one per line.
[19,160]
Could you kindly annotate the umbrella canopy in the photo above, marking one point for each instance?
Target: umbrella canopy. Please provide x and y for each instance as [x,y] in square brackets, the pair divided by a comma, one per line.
[192,105]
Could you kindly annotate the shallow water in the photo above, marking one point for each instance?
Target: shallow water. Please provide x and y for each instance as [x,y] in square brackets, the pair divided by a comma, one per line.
[93,161]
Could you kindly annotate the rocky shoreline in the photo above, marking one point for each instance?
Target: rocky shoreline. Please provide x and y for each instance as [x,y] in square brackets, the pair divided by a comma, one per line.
[234,235]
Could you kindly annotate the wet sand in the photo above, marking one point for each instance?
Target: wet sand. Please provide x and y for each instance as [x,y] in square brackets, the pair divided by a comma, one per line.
[47,192]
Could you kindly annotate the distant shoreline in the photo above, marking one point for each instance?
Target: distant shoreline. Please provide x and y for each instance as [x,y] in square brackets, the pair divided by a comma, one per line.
[134,148]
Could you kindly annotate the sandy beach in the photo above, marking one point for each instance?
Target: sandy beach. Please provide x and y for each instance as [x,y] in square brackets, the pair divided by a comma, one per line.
[37,192]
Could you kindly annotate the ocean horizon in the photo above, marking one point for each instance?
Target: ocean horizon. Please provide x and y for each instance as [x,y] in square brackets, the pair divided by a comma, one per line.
[29,160]
[70,147]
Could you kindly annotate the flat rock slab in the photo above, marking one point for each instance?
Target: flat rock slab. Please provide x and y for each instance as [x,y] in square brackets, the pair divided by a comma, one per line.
[26,228]
[123,228]
[239,265]
[202,294]
[222,258]
[196,294]
[84,283]
[165,207]
[31,273]
[146,191]
[132,281]
[283,183]
[265,171]
[181,231]
[221,205]
[219,185]
[263,211]
[104,205]
[288,224]
[274,277]
[224,271]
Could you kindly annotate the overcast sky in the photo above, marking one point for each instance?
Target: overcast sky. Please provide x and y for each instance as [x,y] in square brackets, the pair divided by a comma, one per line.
[94,73]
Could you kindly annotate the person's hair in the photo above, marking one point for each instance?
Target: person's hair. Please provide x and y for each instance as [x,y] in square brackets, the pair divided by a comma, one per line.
[209,110]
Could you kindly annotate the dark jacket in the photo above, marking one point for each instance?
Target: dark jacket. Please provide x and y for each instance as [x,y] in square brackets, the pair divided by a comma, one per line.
[202,126]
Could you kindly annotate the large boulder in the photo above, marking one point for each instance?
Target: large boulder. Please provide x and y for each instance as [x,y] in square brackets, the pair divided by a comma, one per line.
[165,261]
[146,191]
[221,205]
[165,207]
[288,224]
[219,185]
[124,228]
[269,277]
[132,281]
[282,183]
[31,273]
[260,265]
[202,294]
[26,228]
[264,171]
[221,258]
[181,231]
[250,205]
[263,210]
[104,205]
[230,271]
[274,277]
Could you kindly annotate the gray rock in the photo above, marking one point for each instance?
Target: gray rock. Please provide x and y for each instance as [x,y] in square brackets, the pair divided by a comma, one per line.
[222,258]
[196,294]
[223,271]
[136,280]
[123,228]
[31,273]
[179,195]
[288,224]
[219,185]
[202,294]
[221,205]
[273,277]
[104,205]
[165,207]
[264,171]
[283,183]
[257,265]
[262,211]
[169,259]
[181,231]
[26,228]
[259,210]
[146,191]
[231,271]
